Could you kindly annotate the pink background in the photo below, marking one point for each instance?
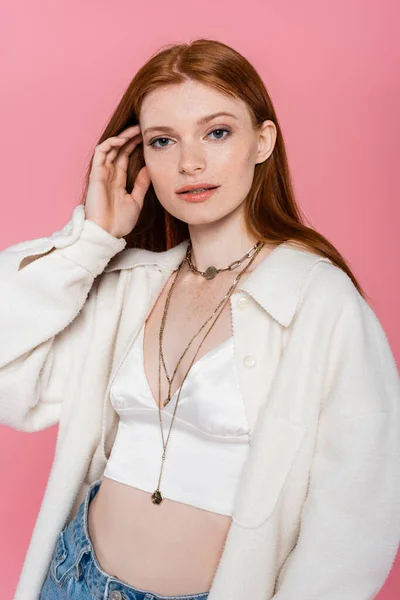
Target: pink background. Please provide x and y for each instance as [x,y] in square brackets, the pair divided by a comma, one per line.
[331,71]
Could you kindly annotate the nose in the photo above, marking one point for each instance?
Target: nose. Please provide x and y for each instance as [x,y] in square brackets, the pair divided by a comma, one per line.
[191,159]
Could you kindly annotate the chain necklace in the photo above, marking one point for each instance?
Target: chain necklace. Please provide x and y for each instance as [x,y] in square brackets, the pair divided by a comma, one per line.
[210,273]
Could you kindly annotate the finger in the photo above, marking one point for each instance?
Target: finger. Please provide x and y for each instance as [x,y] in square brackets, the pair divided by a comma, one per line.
[121,154]
[102,150]
[120,164]
[142,183]
[131,128]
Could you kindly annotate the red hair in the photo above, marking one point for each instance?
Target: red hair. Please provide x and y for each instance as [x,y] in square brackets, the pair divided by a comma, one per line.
[271,212]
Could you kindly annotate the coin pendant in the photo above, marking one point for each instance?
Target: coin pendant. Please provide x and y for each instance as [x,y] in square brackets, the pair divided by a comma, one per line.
[157,497]
[210,273]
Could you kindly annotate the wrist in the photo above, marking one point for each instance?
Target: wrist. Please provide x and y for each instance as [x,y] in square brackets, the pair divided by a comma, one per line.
[106,229]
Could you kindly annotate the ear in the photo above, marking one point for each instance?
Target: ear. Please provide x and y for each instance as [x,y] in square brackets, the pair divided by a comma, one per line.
[266,141]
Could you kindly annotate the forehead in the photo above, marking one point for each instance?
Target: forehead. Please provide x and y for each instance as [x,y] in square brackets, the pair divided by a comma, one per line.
[189,101]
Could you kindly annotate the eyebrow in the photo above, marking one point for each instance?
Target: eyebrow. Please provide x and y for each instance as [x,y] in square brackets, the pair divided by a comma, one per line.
[201,121]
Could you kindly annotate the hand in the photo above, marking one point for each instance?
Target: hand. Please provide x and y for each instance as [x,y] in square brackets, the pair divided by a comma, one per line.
[107,202]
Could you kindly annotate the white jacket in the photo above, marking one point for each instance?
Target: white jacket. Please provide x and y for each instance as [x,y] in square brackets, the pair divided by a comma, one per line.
[317,514]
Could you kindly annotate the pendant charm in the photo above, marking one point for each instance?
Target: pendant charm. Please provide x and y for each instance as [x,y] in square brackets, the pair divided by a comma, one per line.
[157,497]
[210,273]
[166,401]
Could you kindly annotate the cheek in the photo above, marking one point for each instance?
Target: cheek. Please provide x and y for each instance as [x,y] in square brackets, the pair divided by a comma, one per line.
[157,168]
[235,168]
[148,159]
[235,157]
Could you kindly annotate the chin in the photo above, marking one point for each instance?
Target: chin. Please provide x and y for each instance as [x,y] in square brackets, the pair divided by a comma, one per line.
[204,219]
[198,213]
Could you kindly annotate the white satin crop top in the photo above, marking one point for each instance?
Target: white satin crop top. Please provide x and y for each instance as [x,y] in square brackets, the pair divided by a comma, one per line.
[209,439]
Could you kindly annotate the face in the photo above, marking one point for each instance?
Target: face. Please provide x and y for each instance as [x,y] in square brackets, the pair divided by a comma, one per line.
[180,151]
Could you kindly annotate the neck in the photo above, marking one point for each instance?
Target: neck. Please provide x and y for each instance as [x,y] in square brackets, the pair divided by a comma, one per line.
[219,243]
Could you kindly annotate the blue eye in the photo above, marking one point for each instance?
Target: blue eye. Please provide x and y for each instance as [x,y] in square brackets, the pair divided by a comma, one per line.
[157,140]
[213,131]
[221,129]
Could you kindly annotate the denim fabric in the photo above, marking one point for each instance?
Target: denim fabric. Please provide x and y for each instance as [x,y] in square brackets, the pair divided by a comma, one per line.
[75,573]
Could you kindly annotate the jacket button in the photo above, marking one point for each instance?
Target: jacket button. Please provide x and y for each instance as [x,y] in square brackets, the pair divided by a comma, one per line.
[115,595]
[249,361]
[243,301]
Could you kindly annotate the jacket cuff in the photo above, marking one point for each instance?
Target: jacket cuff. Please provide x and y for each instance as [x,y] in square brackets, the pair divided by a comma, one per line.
[94,248]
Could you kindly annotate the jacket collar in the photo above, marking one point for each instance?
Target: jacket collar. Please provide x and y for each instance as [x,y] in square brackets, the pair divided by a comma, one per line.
[275,284]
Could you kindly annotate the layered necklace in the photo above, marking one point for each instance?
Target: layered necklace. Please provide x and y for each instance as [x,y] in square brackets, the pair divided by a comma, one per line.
[210,273]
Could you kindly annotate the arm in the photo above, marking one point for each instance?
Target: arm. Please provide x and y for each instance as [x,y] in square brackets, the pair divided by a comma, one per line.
[44,284]
[350,524]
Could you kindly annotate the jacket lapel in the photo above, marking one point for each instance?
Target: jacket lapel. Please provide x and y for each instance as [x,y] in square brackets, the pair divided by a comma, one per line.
[275,284]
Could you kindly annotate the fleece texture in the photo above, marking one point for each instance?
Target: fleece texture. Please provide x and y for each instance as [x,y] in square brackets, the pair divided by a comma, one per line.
[317,512]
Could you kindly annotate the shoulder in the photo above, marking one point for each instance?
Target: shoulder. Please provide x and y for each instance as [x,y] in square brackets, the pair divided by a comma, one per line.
[332,303]
[328,289]
[328,301]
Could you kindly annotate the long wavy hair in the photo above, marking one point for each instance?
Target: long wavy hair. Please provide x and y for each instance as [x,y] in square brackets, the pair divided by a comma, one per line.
[271,212]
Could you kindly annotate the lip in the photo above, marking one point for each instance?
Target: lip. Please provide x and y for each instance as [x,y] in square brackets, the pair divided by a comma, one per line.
[195,186]
[200,196]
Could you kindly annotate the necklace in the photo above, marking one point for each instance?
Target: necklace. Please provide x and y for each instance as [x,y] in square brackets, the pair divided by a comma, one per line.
[211,271]
[157,496]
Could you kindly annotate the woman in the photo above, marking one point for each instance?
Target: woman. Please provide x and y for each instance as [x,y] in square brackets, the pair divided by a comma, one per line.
[227,400]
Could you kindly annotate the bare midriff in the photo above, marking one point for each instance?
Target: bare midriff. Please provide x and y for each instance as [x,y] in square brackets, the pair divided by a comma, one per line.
[172,548]
[167,549]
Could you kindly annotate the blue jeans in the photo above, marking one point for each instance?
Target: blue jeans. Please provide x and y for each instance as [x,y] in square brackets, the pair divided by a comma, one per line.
[75,573]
